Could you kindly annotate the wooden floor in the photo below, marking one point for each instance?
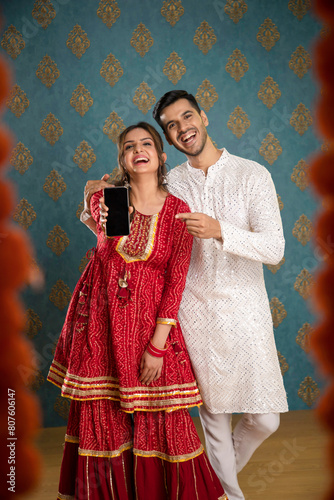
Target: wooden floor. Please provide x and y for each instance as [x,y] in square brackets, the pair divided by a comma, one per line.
[290,465]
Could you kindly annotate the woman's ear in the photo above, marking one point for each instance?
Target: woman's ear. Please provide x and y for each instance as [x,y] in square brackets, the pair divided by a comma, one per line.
[164,157]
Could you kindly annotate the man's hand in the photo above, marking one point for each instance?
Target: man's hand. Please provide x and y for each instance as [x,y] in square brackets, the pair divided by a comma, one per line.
[92,187]
[201,225]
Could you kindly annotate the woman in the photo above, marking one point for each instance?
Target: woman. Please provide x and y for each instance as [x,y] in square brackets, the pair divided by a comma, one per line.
[121,351]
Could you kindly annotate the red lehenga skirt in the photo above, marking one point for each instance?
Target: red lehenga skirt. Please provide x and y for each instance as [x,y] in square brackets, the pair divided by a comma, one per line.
[126,440]
[110,454]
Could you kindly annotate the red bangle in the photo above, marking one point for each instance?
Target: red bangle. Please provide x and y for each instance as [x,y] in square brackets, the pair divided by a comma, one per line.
[155,351]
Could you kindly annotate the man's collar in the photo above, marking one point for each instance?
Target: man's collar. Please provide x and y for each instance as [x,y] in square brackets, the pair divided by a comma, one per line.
[220,163]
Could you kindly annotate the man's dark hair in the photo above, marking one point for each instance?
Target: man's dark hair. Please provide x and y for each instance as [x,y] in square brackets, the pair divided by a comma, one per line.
[170,98]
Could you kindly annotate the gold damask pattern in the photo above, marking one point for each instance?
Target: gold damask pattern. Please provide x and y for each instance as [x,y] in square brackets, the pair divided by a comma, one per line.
[21,158]
[33,323]
[81,100]
[280,202]
[57,240]
[12,42]
[84,156]
[144,97]
[83,263]
[113,126]
[79,209]
[141,39]
[300,175]
[237,65]
[78,41]
[301,119]
[278,311]
[300,61]
[51,129]
[235,9]
[108,11]
[213,142]
[303,284]
[268,34]
[270,148]
[54,185]
[327,145]
[17,101]
[36,380]
[205,37]
[309,391]
[325,31]
[275,268]
[47,71]
[206,95]
[60,295]
[174,68]
[43,12]
[304,336]
[299,8]
[283,363]
[238,122]
[303,229]
[111,70]
[269,92]
[24,214]
[62,407]
[172,10]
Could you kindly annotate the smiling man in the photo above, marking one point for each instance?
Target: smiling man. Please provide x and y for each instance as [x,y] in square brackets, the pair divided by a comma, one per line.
[225,315]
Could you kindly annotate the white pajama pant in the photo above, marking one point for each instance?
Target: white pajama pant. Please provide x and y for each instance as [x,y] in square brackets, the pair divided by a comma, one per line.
[229,452]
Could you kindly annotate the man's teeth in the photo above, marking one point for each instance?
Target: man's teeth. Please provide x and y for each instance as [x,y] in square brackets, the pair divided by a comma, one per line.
[188,136]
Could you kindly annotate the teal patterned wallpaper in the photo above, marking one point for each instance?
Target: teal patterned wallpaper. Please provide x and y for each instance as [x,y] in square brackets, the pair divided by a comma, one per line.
[84,70]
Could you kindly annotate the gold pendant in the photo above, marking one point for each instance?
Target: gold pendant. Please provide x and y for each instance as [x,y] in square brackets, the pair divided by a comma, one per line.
[122,282]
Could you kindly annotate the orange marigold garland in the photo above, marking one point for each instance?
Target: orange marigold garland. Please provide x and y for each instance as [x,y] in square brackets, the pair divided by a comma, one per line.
[322,178]
[19,409]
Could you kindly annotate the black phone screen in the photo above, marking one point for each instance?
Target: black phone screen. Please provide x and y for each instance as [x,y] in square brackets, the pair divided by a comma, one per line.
[118,220]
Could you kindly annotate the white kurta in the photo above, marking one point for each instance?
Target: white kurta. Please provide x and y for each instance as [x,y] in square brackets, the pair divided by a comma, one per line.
[225,314]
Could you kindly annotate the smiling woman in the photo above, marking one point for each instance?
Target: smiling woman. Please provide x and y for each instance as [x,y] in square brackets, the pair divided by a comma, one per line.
[140,151]
[121,351]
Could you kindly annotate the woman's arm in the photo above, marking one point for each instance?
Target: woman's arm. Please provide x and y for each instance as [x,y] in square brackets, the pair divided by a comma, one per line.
[175,279]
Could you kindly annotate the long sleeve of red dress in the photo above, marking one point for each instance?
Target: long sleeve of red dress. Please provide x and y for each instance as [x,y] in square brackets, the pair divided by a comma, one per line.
[176,272]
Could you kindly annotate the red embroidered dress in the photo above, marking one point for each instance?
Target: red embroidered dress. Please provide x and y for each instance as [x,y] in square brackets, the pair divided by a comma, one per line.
[97,360]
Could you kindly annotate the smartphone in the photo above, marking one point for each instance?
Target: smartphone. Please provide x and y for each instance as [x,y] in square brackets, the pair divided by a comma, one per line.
[118,220]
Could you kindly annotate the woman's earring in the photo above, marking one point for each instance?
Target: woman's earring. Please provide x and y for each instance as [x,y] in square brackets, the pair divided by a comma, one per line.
[164,180]
[125,180]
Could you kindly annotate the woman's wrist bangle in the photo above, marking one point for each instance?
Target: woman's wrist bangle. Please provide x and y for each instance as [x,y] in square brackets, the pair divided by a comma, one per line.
[155,351]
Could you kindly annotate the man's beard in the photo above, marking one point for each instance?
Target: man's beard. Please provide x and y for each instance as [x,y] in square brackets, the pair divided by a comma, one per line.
[200,148]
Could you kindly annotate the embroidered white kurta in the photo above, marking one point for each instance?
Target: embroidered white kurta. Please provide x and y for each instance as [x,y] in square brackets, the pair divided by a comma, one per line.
[225,314]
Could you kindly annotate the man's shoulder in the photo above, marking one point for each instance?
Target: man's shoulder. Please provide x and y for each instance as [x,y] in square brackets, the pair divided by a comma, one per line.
[177,173]
[247,167]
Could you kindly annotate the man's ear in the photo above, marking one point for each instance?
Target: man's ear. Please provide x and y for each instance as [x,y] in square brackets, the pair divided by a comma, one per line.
[204,118]
[168,139]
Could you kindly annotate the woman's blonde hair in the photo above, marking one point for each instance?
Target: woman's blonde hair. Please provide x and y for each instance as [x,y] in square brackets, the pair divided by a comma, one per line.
[122,174]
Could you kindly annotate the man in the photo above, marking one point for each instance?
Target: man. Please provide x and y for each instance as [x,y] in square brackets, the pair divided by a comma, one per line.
[225,314]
